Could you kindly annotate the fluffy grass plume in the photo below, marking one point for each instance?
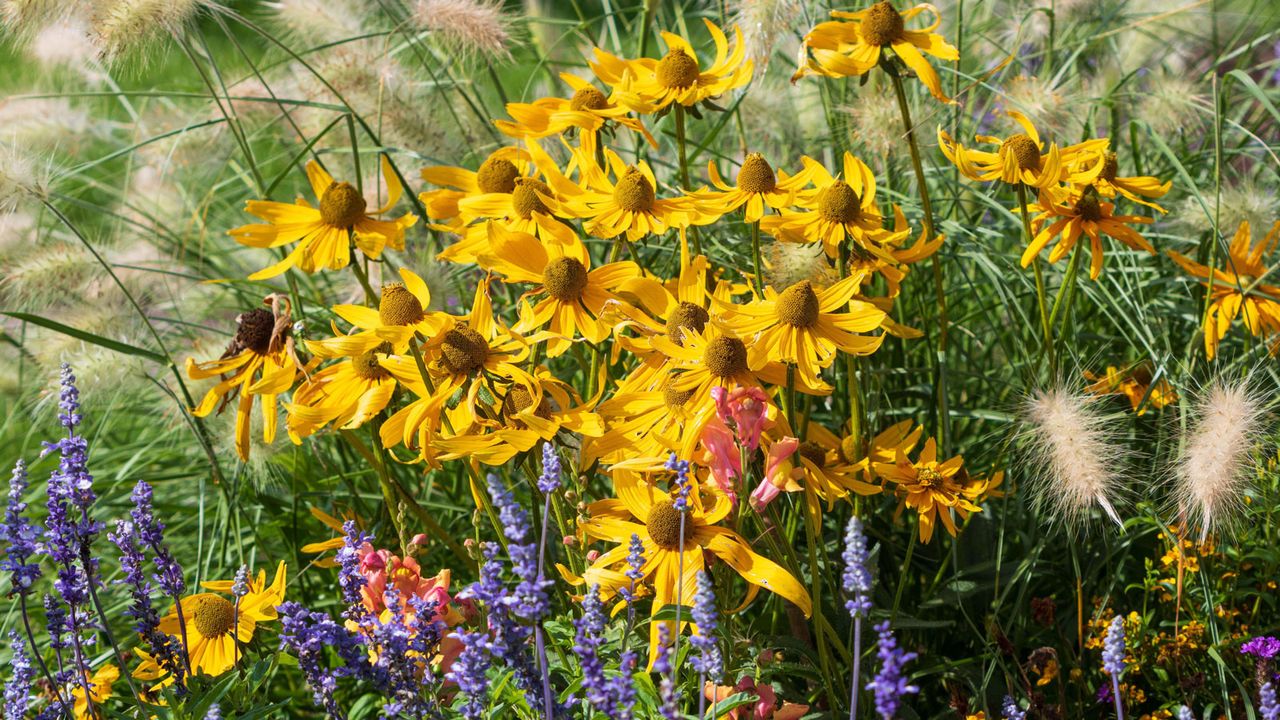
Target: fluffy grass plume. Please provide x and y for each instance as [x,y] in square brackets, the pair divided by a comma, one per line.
[1213,468]
[127,27]
[1075,465]
[466,27]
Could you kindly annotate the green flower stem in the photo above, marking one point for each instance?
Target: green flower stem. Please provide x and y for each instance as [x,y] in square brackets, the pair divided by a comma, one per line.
[1046,325]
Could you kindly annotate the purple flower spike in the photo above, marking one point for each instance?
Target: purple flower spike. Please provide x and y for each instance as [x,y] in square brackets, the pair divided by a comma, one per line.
[890,685]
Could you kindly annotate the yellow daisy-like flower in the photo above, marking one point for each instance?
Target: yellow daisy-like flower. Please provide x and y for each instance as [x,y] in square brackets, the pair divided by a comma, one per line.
[497,174]
[259,362]
[324,234]
[526,414]
[644,510]
[647,423]
[820,464]
[588,110]
[757,187]
[401,314]
[896,440]
[835,209]
[1069,215]
[1135,383]
[627,204]
[1238,290]
[805,327]
[1103,172]
[575,296]
[648,85]
[211,625]
[99,690]
[854,43]
[1021,157]
[930,488]
[347,394]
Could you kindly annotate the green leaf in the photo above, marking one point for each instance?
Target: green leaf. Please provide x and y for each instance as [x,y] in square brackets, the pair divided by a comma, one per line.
[89,337]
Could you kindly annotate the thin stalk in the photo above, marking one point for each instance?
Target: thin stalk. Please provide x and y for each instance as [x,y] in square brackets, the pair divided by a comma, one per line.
[35,652]
[1046,325]
[922,187]
[684,169]
[539,638]
[906,569]
[857,666]
[755,255]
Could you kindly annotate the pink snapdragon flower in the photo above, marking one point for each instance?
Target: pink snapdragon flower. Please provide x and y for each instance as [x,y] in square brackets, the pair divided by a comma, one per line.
[766,706]
[742,415]
[777,473]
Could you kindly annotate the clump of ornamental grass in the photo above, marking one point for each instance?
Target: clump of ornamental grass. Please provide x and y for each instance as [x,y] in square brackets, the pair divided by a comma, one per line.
[24,16]
[319,21]
[125,28]
[22,177]
[788,263]
[1075,462]
[467,28]
[30,273]
[1212,470]
[1171,104]
[874,121]
[764,23]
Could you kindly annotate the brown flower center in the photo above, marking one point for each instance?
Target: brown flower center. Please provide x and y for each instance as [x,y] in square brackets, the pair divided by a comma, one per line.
[882,25]
[525,199]
[588,98]
[634,192]
[686,316]
[565,278]
[839,203]
[213,616]
[798,305]
[1110,166]
[497,175]
[366,366]
[677,70]
[519,399]
[341,205]
[929,478]
[1024,149]
[725,357]
[399,306]
[254,331]
[814,453]
[463,350]
[673,397]
[756,175]
[663,524]
[1088,207]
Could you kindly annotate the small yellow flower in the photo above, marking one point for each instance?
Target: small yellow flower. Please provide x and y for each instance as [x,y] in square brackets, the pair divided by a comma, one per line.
[855,42]
[324,234]
[1238,289]
[1022,158]
[648,85]
[588,110]
[1135,383]
[1068,215]
[930,488]
[758,186]
[99,690]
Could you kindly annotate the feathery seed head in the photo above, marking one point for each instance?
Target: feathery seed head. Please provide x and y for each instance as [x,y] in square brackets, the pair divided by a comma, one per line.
[122,27]
[319,21]
[466,27]
[1213,467]
[1078,461]
[790,263]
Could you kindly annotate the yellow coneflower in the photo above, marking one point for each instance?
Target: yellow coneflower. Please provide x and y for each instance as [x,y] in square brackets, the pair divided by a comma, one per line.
[757,187]
[347,394]
[575,296]
[822,465]
[324,234]
[628,204]
[212,625]
[854,43]
[588,109]
[646,85]
[1135,384]
[1238,290]
[99,690]
[648,512]
[930,488]
[260,361]
[1069,215]
[836,208]
[1103,172]
[805,327]
[497,174]
[401,313]
[1020,158]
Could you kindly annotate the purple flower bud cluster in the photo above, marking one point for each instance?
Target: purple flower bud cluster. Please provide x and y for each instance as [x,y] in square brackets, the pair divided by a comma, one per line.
[1263,647]
[635,561]
[587,641]
[683,486]
[668,697]
[469,673]
[400,643]
[708,660]
[306,635]
[17,691]
[529,601]
[214,713]
[890,684]
[1113,648]
[624,689]
[19,535]
[857,577]
[1009,709]
[508,642]
[1268,706]
[165,649]
[350,580]
[150,534]
[549,480]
